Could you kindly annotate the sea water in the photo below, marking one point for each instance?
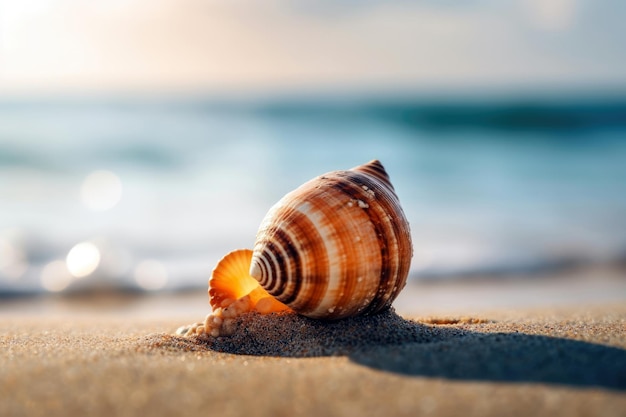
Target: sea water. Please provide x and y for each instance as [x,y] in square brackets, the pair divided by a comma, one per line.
[148,193]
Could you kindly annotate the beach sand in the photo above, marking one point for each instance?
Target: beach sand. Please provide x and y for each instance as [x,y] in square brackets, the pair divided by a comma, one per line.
[568,360]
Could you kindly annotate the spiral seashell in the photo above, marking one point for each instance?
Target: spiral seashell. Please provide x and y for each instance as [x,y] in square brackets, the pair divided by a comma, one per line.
[337,246]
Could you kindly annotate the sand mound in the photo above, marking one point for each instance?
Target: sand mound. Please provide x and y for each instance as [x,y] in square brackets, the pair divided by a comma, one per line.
[291,335]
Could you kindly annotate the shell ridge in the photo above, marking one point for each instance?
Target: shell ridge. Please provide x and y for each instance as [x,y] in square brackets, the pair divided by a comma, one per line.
[292,267]
[318,266]
[326,231]
[272,261]
[388,233]
[336,301]
[352,186]
[306,288]
[400,246]
[384,234]
[275,261]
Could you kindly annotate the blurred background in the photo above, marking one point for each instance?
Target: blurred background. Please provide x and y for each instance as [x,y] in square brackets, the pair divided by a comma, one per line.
[141,140]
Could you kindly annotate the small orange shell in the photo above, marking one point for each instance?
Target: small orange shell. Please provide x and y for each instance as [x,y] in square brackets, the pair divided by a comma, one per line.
[230,281]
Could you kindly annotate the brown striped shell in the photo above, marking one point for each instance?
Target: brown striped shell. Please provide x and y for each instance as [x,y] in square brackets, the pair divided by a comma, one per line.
[337,246]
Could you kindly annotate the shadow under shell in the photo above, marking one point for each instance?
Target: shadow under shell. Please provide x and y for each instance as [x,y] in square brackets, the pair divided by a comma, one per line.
[465,349]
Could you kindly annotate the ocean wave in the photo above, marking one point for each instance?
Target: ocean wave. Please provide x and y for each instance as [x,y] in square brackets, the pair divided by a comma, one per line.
[185,181]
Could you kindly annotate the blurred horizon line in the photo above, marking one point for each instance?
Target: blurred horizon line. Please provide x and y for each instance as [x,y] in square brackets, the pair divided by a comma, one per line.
[528,110]
[553,269]
[548,89]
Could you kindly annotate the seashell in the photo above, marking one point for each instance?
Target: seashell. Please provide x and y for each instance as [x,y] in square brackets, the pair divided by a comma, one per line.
[335,247]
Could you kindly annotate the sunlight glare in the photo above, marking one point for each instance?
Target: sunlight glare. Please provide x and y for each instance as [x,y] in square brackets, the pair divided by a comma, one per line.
[83,259]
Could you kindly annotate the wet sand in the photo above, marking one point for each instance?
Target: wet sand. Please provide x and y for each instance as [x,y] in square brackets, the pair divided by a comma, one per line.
[568,360]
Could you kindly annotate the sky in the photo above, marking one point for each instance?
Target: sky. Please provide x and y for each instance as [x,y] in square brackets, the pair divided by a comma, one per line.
[49,46]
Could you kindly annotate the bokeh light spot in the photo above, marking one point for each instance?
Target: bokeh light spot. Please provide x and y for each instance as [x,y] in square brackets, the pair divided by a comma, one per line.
[150,275]
[55,276]
[83,259]
[13,261]
[101,190]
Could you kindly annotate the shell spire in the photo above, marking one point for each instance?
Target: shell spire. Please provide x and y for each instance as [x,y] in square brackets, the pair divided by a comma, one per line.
[375,169]
[337,246]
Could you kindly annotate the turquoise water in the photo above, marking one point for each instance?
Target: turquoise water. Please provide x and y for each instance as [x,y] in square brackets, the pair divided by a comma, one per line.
[488,186]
